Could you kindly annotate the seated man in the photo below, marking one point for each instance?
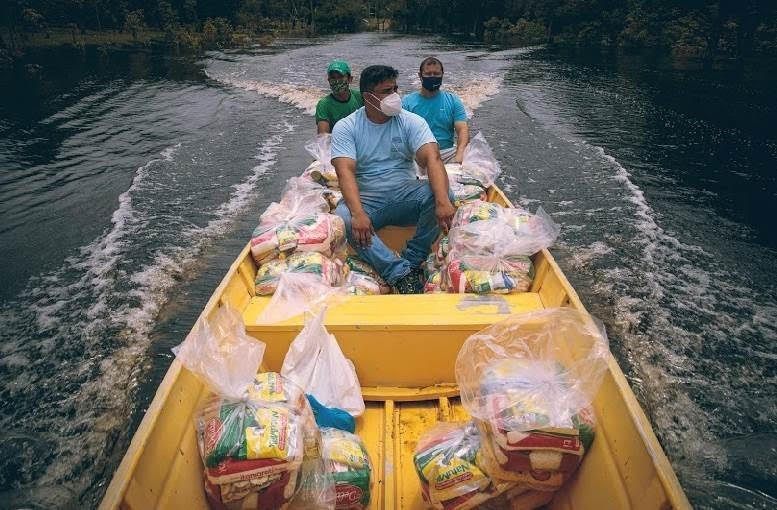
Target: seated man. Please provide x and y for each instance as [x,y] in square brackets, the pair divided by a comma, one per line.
[373,151]
[443,110]
[342,102]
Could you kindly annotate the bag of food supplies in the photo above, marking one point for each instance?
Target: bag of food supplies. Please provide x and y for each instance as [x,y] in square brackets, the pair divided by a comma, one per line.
[478,164]
[318,232]
[362,279]
[263,450]
[528,383]
[330,271]
[321,170]
[256,434]
[346,459]
[446,461]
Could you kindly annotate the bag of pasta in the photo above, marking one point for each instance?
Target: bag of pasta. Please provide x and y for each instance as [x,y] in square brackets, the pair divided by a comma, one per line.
[528,383]
[330,271]
[446,460]
[349,464]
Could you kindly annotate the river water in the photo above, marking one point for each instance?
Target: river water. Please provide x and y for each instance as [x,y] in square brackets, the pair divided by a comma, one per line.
[130,180]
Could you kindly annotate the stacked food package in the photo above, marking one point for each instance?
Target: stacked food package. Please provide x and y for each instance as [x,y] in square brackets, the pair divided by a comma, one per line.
[321,170]
[362,279]
[528,383]
[346,459]
[298,234]
[488,250]
[254,448]
[446,461]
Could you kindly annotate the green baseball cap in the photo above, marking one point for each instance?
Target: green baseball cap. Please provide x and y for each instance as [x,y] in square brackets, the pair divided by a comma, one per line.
[338,66]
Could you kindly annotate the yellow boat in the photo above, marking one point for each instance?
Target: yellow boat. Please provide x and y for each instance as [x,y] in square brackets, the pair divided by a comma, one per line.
[404,348]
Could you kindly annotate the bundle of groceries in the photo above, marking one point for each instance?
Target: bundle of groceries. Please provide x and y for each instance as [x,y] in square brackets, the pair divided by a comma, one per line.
[268,275]
[314,232]
[321,170]
[362,279]
[528,383]
[489,249]
[446,461]
[346,459]
[254,448]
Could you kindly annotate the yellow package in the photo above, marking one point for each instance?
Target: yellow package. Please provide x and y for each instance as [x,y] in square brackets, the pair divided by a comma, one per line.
[267,387]
[273,435]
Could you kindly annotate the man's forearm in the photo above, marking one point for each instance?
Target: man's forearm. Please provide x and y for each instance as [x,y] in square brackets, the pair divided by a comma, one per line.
[462,139]
[438,180]
[350,191]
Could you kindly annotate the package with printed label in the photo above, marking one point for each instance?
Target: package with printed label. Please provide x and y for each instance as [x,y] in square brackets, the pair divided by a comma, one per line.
[268,275]
[446,461]
[346,458]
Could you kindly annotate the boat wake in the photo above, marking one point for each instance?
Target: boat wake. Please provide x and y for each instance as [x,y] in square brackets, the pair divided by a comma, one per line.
[81,333]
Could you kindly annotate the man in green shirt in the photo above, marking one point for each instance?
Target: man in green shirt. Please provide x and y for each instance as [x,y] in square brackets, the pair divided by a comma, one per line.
[343,100]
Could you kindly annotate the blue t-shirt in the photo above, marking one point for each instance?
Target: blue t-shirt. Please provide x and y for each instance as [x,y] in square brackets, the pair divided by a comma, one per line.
[440,111]
[384,153]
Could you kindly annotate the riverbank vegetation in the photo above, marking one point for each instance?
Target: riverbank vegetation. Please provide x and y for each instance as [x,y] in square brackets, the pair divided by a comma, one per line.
[683,28]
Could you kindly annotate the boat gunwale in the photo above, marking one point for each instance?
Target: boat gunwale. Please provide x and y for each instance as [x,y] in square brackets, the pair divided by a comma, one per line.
[121,479]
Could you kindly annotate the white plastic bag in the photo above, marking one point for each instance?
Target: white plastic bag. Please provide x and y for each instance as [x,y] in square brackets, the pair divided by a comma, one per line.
[316,363]
[539,368]
[297,293]
[478,165]
[221,353]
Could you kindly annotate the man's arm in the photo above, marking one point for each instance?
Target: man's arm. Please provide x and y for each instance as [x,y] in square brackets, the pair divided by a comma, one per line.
[462,139]
[323,127]
[428,156]
[361,226]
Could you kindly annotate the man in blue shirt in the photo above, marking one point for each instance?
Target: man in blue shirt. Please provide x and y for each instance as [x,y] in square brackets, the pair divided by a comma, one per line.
[373,151]
[443,110]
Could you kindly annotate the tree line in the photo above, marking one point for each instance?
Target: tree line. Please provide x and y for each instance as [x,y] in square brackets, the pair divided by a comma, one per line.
[685,27]
[697,28]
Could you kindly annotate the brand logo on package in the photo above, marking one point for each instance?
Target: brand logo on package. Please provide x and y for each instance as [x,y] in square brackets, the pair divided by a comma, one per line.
[348,495]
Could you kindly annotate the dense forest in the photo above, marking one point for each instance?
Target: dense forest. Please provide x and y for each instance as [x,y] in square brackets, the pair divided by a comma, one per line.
[693,28]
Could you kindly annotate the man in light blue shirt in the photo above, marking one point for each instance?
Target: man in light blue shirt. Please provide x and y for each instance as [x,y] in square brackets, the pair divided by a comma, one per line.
[443,110]
[373,151]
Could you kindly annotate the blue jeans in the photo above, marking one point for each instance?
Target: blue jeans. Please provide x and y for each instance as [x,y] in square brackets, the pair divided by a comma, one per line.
[410,202]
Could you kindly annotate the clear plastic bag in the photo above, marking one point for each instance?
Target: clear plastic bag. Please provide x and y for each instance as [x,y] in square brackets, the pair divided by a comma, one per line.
[529,382]
[297,293]
[482,274]
[300,197]
[318,232]
[466,193]
[363,279]
[220,352]
[446,461]
[321,170]
[330,271]
[478,165]
[347,460]
[260,451]
[316,363]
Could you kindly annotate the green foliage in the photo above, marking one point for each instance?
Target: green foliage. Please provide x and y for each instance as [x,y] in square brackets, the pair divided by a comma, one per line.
[134,22]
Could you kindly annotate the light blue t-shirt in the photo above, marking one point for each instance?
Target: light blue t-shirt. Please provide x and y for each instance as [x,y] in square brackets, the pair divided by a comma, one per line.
[440,111]
[384,153]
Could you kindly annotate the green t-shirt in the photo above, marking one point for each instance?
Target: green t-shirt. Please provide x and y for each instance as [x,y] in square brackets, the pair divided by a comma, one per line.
[332,110]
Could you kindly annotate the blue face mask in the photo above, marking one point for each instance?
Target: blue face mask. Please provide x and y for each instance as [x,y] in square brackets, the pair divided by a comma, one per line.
[431,83]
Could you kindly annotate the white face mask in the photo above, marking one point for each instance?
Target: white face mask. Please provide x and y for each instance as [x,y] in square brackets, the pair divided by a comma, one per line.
[390,105]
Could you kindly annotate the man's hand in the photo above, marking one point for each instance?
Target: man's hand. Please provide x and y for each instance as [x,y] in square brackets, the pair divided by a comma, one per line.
[444,211]
[361,226]
[458,158]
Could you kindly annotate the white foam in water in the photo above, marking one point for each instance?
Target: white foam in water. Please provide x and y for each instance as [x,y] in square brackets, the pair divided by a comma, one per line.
[476,90]
[103,304]
[304,97]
